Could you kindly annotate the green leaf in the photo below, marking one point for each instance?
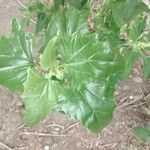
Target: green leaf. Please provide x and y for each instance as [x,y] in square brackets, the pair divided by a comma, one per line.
[68,21]
[125,11]
[57,4]
[104,19]
[137,28]
[142,133]
[116,14]
[35,7]
[90,68]
[48,60]
[42,21]
[77,3]
[146,67]
[45,13]
[40,95]
[15,57]
[84,57]
[41,11]
[92,104]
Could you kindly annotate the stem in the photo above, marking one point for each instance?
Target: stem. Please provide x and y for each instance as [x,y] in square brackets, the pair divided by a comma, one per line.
[5,146]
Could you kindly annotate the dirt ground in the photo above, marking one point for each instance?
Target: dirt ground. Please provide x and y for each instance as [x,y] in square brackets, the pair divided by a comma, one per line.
[59,132]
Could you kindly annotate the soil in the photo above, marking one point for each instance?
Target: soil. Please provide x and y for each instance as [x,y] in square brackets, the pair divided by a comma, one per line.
[59,132]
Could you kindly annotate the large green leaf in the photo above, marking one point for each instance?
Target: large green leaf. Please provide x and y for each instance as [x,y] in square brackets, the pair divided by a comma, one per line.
[15,57]
[90,69]
[40,95]
[68,21]
[91,103]
[142,133]
[84,57]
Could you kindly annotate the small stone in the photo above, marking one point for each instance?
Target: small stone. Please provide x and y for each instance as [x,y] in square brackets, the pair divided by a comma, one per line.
[56,129]
[71,131]
[131,97]
[19,104]
[46,147]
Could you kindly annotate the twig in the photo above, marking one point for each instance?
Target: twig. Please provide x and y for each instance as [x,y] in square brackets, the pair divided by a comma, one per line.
[20,3]
[5,146]
[146,97]
[142,91]
[42,134]
[21,126]
[135,106]
[71,126]
[22,147]
[131,102]
[110,144]
[55,125]
[123,93]
[123,99]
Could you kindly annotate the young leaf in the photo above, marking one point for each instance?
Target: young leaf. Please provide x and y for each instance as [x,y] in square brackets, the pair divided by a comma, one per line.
[142,133]
[91,103]
[48,60]
[40,95]
[15,57]
[68,21]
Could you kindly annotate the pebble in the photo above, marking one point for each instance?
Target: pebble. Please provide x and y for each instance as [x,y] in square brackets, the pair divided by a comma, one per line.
[57,129]
[19,104]
[131,97]
[46,147]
